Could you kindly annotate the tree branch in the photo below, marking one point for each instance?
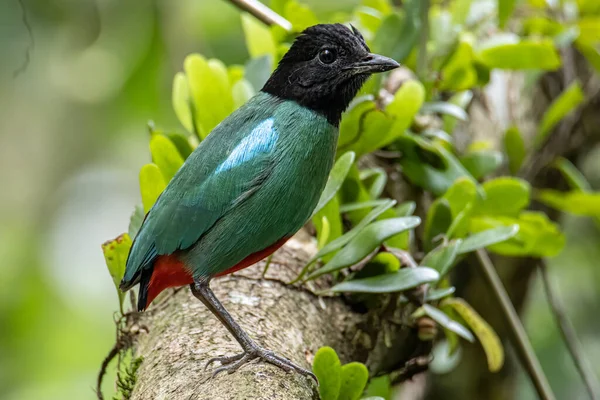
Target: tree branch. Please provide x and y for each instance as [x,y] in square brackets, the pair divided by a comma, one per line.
[569,335]
[262,12]
[519,336]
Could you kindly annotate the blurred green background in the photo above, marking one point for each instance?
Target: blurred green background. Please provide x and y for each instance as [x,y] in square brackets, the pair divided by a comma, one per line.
[72,139]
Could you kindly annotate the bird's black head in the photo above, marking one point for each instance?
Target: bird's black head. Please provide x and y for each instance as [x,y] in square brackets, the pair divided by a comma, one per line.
[324,69]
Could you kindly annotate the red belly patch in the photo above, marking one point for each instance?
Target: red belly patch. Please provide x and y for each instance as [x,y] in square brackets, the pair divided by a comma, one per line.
[255,257]
[169,271]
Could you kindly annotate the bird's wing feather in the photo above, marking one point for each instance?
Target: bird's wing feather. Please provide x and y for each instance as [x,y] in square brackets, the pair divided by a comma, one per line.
[222,172]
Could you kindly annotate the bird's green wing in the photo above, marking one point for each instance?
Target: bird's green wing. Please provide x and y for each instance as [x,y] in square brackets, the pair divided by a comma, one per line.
[226,168]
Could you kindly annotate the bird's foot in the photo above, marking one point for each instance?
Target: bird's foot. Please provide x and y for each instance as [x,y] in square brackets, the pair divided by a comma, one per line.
[230,364]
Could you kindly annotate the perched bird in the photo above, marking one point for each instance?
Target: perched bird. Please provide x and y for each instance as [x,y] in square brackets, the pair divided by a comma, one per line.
[255,180]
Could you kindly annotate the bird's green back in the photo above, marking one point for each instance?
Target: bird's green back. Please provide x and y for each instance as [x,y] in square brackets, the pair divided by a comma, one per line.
[254,180]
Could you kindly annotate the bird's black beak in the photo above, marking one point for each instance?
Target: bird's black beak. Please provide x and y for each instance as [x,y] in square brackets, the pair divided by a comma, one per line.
[374,63]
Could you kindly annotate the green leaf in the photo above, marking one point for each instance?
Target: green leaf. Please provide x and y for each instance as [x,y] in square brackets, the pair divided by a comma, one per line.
[515,149]
[347,237]
[439,218]
[336,179]
[487,238]
[460,11]
[258,70]
[362,128]
[504,196]
[259,40]
[278,5]
[537,235]
[383,6]
[382,263]
[136,220]
[568,100]
[208,80]
[152,184]
[517,55]
[365,242]
[429,165]
[323,233]
[182,144]
[505,9]
[328,370]
[404,279]
[300,15]
[462,192]
[165,155]
[241,91]
[220,87]
[328,224]
[589,28]
[460,224]
[485,333]
[405,209]
[442,257]
[445,321]
[461,99]
[590,51]
[482,163]
[369,20]
[445,108]
[572,175]
[354,379]
[182,101]
[438,294]
[362,205]
[459,72]
[444,360]
[403,108]
[379,388]
[235,73]
[115,253]
[395,26]
[378,179]
[351,234]
[574,202]
[353,190]
[402,240]
[438,134]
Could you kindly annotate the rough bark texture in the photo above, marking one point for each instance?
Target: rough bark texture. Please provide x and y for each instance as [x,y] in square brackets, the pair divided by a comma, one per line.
[290,320]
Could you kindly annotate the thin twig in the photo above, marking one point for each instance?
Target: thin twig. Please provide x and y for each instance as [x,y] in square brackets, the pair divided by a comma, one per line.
[569,335]
[111,355]
[520,340]
[262,13]
[30,46]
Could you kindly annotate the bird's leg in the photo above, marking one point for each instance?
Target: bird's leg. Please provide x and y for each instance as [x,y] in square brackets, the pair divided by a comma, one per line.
[252,351]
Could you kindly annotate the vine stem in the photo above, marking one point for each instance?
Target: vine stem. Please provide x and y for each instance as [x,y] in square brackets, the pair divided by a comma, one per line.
[262,13]
[569,335]
[520,340]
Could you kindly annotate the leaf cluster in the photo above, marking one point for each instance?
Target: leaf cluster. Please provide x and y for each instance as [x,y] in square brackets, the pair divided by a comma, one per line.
[412,118]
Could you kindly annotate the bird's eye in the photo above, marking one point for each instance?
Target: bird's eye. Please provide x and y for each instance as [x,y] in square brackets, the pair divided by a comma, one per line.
[327,56]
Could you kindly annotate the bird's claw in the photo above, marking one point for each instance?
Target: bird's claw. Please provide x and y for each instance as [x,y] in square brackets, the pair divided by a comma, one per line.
[224,360]
[231,364]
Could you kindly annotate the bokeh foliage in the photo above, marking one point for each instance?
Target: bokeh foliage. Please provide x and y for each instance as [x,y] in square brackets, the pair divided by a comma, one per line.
[477,204]
[473,207]
[54,337]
